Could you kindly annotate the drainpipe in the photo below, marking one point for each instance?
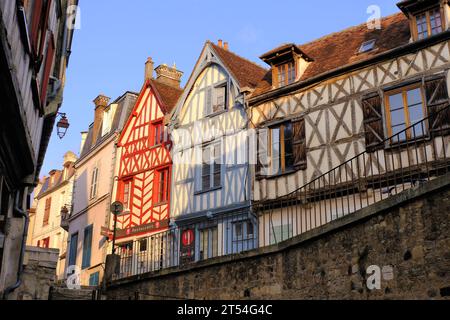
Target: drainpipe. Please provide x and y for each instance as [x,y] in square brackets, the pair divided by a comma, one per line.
[19,213]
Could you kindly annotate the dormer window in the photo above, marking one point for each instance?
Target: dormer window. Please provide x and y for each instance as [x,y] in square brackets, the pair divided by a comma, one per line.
[426,17]
[286,74]
[288,64]
[429,23]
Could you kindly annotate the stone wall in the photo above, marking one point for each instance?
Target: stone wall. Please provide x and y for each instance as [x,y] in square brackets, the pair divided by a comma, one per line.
[39,274]
[408,234]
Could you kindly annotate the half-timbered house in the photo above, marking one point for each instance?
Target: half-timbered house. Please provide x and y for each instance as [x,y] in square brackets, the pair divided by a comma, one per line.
[346,120]
[211,173]
[145,173]
[35,45]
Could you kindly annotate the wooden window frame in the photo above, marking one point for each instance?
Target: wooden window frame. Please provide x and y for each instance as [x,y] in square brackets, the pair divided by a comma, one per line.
[427,12]
[121,197]
[404,90]
[86,260]
[93,195]
[157,189]
[158,141]
[212,187]
[284,67]
[283,165]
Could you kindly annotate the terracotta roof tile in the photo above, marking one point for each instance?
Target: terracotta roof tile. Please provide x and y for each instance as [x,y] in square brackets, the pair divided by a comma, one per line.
[168,94]
[342,48]
[248,73]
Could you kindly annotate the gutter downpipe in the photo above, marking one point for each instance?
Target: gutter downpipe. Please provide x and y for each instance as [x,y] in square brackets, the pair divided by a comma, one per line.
[20,213]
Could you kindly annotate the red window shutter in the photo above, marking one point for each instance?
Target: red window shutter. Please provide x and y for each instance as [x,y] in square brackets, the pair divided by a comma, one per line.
[49,57]
[35,24]
[43,30]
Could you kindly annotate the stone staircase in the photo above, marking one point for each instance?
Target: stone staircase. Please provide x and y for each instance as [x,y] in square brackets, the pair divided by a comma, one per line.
[61,292]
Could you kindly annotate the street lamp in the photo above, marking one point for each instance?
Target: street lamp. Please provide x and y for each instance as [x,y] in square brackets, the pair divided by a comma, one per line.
[62,125]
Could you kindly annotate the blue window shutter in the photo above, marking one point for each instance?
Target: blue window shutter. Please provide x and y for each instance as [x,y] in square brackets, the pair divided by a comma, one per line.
[87,247]
[73,249]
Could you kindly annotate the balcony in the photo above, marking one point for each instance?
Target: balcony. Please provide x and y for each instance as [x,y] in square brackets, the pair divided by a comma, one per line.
[65,216]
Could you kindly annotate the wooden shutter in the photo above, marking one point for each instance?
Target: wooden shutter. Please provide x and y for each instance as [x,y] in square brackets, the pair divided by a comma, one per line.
[373,123]
[299,144]
[263,154]
[44,28]
[437,99]
[49,57]
[87,247]
[209,101]
[35,25]
[48,205]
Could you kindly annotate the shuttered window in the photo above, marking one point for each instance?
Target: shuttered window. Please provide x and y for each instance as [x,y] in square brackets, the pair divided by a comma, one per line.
[94,184]
[47,209]
[209,174]
[36,25]
[281,149]
[373,123]
[87,247]
[299,144]
[437,99]
[49,58]
[216,99]
[73,250]
[162,186]
[405,108]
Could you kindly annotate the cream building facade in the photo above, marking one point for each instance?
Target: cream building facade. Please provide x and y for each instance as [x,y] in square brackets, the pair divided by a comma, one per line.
[54,194]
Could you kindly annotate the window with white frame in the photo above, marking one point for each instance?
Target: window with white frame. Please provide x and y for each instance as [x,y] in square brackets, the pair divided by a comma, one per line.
[209,173]
[94,183]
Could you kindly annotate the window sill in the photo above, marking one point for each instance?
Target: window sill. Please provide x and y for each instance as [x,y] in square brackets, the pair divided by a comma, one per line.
[198,193]
[215,114]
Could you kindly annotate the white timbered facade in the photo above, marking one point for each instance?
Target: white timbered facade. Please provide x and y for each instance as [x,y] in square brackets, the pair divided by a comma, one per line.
[325,116]
[211,171]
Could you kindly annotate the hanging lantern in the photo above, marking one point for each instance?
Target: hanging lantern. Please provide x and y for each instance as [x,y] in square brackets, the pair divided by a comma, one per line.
[62,125]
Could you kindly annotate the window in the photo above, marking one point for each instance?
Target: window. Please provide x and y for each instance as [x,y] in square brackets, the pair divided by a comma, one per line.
[209,243]
[126,194]
[280,233]
[286,74]
[73,249]
[429,23]
[94,279]
[158,133]
[209,175]
[405,107]
[281,149]
[45,243]
[162,186]
[87,247]
[48,206]
[143,244]
[367,46]
[243,230]
[216,99]
[94,183]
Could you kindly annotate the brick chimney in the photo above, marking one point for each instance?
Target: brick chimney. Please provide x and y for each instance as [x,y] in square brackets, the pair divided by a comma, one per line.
[101,102]
[169,75]
[149,65]
[220,43]
[226,46]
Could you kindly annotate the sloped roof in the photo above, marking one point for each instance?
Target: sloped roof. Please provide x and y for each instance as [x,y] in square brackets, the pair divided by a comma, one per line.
[125,104]
[168,95]
[246,72]
[340,49]
[57,180]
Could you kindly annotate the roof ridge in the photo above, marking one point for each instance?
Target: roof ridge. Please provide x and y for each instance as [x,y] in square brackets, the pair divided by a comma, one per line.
[239,56]
[329,35]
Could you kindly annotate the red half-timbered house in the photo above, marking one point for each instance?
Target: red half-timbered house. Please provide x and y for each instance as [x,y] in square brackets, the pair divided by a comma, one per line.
[145,165]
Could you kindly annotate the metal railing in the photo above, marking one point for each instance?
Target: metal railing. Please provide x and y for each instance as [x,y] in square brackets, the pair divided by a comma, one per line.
[406,160]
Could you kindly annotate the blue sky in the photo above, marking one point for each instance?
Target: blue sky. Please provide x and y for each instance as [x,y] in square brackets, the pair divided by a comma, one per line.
[117,36]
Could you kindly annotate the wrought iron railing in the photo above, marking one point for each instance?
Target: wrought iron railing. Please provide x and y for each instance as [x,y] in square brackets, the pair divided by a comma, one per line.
[395,165]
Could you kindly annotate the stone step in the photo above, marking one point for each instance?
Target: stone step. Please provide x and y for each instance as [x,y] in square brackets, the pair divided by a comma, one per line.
[62,293]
